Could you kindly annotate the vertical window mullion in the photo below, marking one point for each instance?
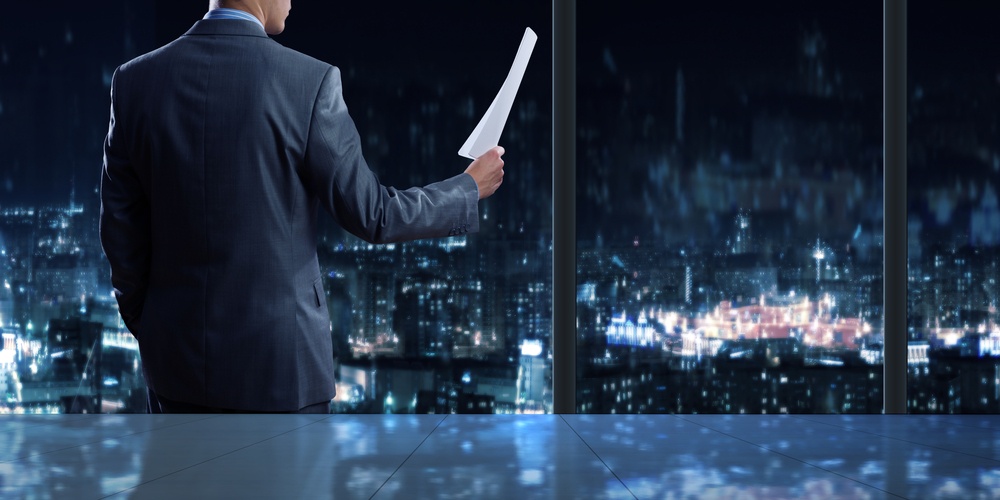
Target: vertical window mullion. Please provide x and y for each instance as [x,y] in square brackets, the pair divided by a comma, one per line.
[564,206]
[895,257]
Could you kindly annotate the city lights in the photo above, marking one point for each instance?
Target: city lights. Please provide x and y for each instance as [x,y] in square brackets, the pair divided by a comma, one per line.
[729,252]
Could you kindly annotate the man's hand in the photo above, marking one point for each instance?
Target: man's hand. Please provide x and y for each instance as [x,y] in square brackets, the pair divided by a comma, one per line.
[487,170]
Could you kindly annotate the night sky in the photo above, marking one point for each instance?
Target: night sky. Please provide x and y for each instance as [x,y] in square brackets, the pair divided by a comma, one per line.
[56,58]
[55,75]
[55,61]
[723,36]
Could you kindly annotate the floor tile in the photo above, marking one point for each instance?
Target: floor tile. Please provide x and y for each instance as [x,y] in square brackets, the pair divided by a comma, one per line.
[899,467]
[503,456]
[23,437]
[25,421]
[342,456]
[662,456]
[975,435]
[107,454]
[499,456]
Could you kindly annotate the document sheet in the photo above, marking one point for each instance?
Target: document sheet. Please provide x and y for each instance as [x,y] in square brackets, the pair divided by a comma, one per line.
[487,133]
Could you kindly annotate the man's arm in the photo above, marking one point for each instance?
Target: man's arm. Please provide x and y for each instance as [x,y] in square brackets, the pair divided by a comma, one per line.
[124,225]
[337,173]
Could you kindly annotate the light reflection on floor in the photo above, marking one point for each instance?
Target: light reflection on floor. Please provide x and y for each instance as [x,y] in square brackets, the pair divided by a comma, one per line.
[499,456]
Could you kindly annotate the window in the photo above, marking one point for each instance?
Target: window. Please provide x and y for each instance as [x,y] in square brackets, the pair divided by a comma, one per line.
[729,208]
[729,170]
[953,227]
[443,325]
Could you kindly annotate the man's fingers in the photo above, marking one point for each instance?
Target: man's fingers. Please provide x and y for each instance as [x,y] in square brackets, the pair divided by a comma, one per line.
[487,170]
[498,150]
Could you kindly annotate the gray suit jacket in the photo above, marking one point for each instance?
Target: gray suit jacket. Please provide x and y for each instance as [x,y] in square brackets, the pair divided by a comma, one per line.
[222,147]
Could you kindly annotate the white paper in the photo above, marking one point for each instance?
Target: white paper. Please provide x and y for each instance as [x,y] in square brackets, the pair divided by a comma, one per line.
[487,133]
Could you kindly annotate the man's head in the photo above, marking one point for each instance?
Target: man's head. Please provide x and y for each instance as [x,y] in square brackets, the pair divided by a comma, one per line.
[270,12]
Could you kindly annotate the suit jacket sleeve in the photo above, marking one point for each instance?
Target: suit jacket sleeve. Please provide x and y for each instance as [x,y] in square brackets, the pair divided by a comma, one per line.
[335,171]
[124,223]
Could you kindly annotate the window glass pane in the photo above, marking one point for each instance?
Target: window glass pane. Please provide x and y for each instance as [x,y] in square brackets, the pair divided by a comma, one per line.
[458,324]
[953,227]
[455,325]
[62,336]
[729,202]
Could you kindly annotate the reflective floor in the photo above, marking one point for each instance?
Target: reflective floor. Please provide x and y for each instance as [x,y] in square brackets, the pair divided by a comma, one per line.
[499,456]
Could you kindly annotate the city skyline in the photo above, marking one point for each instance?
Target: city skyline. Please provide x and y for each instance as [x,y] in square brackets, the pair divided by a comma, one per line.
[712,199]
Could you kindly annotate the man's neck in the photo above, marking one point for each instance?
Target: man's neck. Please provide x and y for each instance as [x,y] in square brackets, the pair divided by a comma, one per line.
[251,7]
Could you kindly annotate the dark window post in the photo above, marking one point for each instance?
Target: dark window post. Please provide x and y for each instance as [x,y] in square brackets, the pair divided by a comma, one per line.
[894,135]
[564,206]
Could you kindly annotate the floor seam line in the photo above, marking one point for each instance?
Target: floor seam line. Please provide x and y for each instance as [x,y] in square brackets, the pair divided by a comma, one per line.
[585,443]
[899,439]
[214,458]
[401,464]
[769,450]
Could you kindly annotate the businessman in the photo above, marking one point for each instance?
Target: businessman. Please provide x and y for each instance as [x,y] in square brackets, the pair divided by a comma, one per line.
[222,147]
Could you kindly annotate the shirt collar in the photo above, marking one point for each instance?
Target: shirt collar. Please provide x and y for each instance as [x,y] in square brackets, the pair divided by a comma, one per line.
[224,13]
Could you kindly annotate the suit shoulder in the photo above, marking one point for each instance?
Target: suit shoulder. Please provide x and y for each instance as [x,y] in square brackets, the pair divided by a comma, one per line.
[145,60]
[300,60]
[280,59]
[141,60]
[299,69]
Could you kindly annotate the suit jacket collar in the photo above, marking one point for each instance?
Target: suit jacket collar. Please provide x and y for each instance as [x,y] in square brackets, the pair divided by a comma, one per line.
[235,27]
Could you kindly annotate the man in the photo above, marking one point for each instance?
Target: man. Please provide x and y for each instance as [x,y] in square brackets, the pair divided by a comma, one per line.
[222,147]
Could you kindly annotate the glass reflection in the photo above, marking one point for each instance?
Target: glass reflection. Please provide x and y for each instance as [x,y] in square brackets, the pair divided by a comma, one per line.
[729,206]
[953,219]
[789,457]
[571,456]
[446,326]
